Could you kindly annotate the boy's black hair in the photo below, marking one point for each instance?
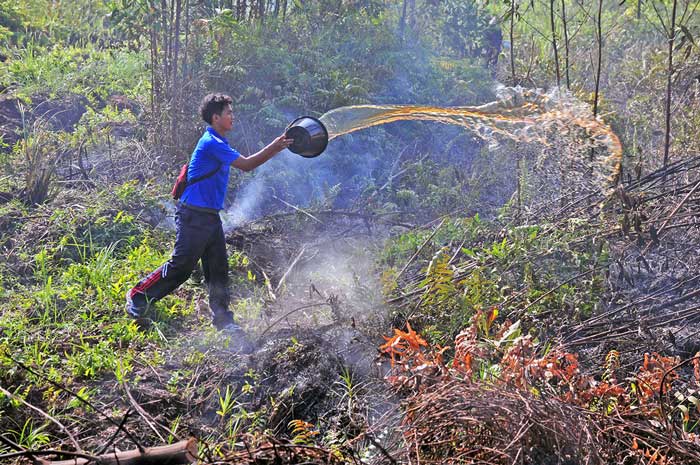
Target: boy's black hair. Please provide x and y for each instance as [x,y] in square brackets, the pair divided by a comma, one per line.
[213,103]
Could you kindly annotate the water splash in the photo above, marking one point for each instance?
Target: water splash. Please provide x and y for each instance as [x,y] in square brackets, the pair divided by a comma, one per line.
[524,115]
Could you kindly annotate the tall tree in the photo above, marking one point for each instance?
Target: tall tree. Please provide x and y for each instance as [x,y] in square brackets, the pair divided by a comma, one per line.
[402,20]
[673,28]
[669,76]
[599,58]
[552,25]
[565,28]
[511,37]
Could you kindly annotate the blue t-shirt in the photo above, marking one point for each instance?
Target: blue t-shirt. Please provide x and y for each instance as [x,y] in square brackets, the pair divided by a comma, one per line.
[212,150]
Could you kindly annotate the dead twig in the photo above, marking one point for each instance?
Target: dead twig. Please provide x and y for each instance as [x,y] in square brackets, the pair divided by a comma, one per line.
[298,209]
[109,442]
[381,449]
[180,453]
[420,249]
[81,399]
[13,445]
[35,453]
[289,269]
[675,210]
[291,312]
[45,415]
[143,414]
[268,286]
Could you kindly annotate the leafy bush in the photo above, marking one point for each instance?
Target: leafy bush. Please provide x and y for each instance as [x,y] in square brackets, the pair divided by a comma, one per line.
[83,70]
[470,266]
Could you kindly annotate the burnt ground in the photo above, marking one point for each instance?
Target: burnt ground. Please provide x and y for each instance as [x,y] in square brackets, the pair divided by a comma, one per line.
[62,115]
[315,316]
[315,326]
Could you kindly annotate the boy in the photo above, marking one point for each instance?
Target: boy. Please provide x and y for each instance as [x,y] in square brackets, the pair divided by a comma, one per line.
[200,234]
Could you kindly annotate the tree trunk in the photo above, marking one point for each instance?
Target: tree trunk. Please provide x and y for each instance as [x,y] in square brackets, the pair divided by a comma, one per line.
[180,453]
[554,41]
[176,85]
[599,32]
[171,45]
[176,39]
[165,42]
[154,58]
[185,72]
[669,77]
[242,10]
[566,43]
[512,43]
[519,185]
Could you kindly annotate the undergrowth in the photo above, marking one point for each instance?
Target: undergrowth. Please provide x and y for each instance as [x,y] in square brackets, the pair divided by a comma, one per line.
[470,265]
[63,299]
[494,382]
[81,70]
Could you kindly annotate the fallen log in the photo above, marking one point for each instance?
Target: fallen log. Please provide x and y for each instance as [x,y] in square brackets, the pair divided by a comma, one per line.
[180,453]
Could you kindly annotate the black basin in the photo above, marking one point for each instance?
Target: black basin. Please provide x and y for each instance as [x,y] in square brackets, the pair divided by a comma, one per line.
[310,136]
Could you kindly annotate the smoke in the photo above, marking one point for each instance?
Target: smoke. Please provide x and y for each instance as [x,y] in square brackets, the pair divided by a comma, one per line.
[331,180]
[244,207]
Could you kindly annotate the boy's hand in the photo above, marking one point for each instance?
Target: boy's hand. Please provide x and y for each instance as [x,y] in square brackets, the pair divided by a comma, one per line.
[281,143]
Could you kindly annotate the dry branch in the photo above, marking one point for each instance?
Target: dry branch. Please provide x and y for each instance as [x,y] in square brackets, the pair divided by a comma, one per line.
[300,210]
[45,415]
[420,249]
[675,210]
[180,453]
[80,398]
[273,451]
[304,307]
[289,269]
[146,417]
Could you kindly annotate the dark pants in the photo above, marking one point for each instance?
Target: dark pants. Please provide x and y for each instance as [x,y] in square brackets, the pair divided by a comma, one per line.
[200,235]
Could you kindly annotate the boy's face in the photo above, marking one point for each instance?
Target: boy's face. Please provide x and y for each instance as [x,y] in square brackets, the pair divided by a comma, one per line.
[224,121]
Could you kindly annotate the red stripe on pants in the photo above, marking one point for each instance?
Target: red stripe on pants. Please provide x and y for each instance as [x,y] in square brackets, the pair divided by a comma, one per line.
[147,283]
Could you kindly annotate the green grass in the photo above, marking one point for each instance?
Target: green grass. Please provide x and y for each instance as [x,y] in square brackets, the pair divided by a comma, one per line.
[61,70]
[63,316]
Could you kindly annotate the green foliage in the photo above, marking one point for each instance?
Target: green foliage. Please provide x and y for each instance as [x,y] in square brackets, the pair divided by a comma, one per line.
[30,436]
[515,269]
[40,149]
[82,70]
[12,18]
[463,27]
[48,22]
[70,304]
[403,246]
[226,402]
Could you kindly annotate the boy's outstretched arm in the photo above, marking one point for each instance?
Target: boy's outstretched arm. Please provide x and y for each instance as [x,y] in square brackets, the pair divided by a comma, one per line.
[253,161]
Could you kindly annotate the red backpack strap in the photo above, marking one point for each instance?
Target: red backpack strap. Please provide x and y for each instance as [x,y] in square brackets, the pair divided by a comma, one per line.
[203,177]
[181,183]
